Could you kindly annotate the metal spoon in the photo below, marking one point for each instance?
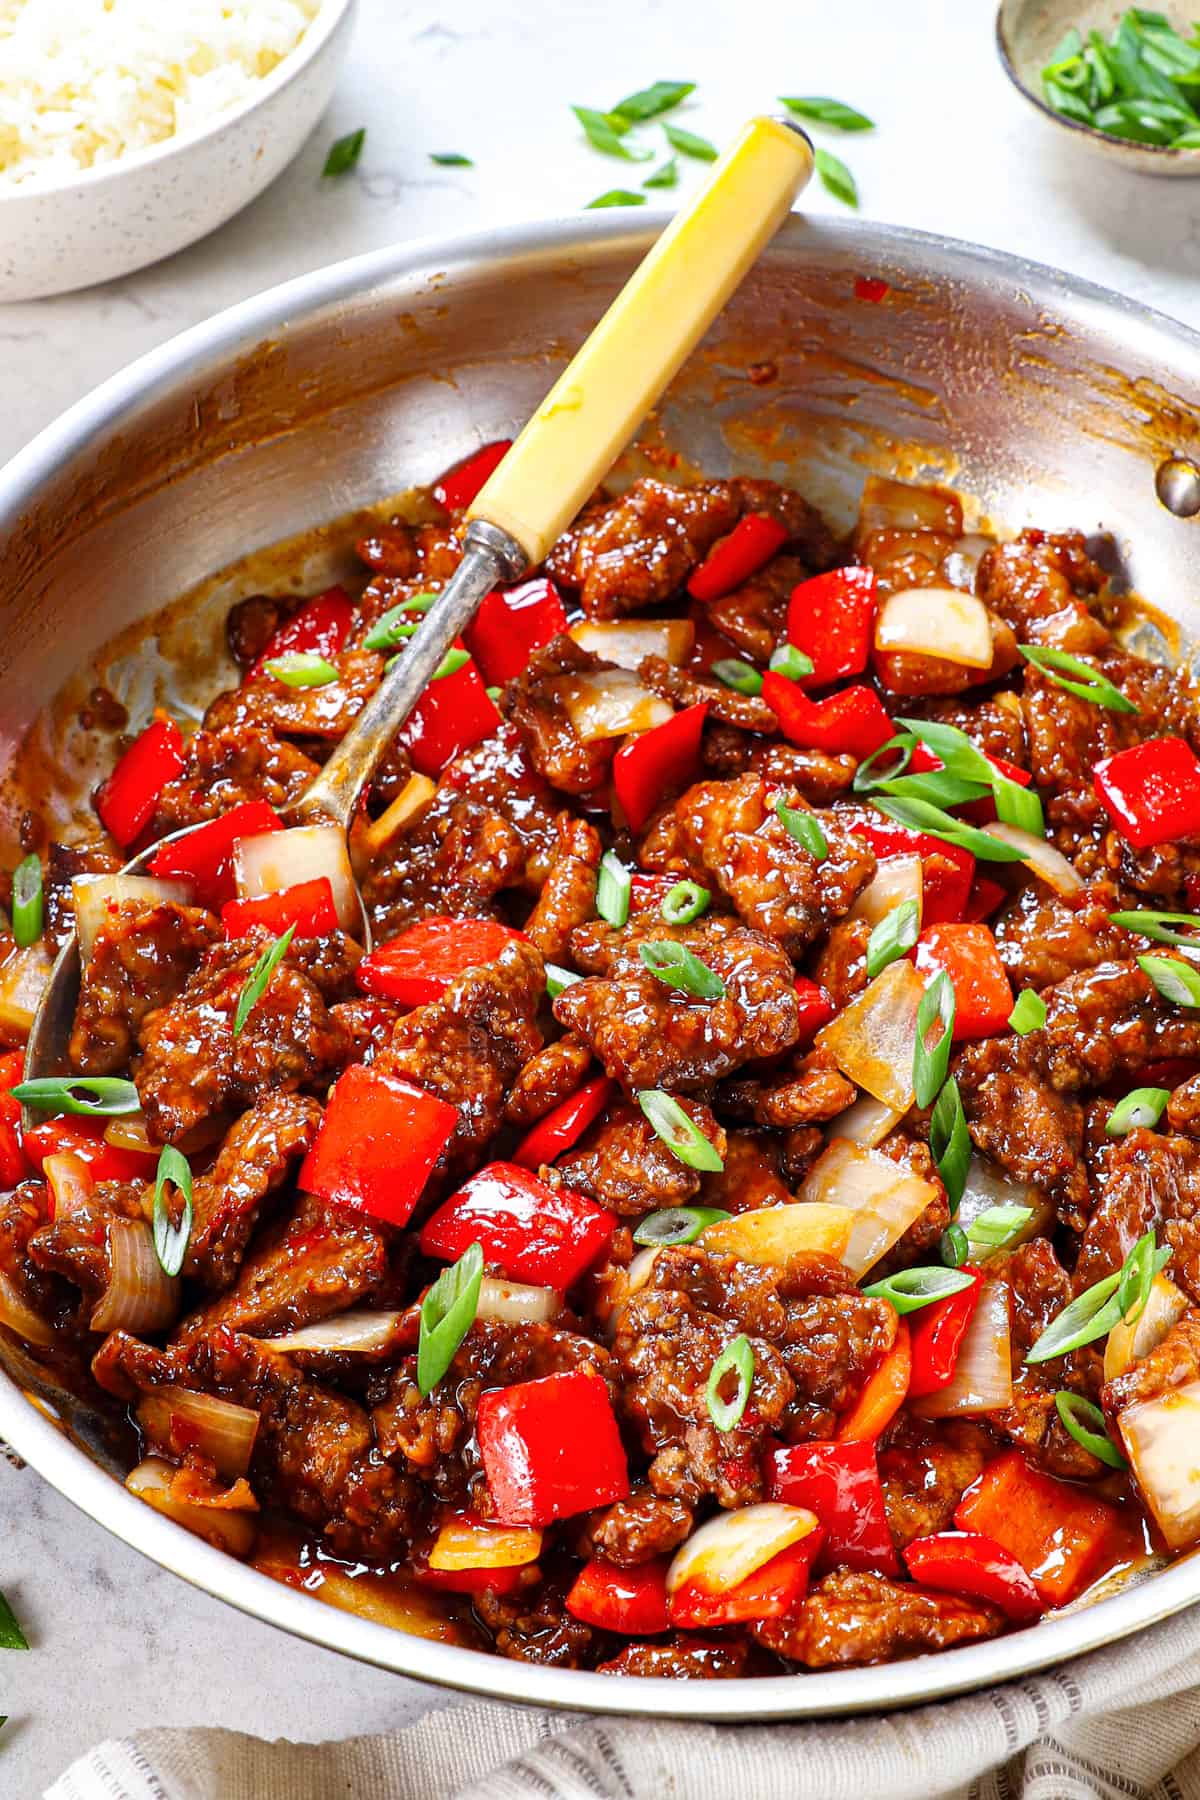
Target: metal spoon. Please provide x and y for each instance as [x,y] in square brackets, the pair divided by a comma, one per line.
[586,420]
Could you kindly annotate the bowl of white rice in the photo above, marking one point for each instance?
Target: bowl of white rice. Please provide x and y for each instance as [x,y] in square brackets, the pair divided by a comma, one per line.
[130,128]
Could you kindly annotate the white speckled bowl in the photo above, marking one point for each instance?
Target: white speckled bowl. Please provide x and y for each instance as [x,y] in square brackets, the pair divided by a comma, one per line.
[125,214]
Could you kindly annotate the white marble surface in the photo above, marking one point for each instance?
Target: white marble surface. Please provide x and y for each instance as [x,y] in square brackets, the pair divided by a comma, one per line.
[118,1644]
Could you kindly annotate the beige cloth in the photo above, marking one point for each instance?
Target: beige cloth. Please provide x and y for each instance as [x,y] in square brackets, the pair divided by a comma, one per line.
[1121,1724]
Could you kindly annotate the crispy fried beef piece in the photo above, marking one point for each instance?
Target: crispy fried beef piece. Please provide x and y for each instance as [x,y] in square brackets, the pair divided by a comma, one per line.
[63,863]
[851,1618]
[626,554]
[551,1076]
[139,961]
[227,765]
[925,1469]
[74,1243]
[1040,584]
[623,1163]
[568,898]
[681,1658]
[255,1159]
[1043,938]
[639,1528]
[536,704]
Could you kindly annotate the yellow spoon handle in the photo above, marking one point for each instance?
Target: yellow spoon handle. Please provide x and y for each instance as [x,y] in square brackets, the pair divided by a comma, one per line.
[658,318]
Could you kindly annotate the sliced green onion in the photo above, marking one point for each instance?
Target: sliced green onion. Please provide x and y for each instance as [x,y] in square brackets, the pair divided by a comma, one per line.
[345,152]
[105,1096]
[790,662]
[613,889]
[689,144]
[1090,1315]
[260,975]
[395,625]
[1142,1264]
[11,1635]
[493,694]
[919,815]
[615,197]
[680,968]
[1139,1110]
[1085,1422]
[1028,1014]
[665,176]
[736,1358]
[301,669]
[450,159]
[1089,684]
[1019,806]
[893,937]
[170,1240]
[836,177]
[1176,981]
[743,677]
[1160,928]
[996,1226]
[558,978]
[866,778]
[823,111]
[451,663]
[910,1289]
[685,902]
[931,1063]
[447,1314]
[649,102]
[954,1248]
[936,787]
[682,1136]
[678,1224]
[805,827]
[27,901]
[950,1142]
[605,131]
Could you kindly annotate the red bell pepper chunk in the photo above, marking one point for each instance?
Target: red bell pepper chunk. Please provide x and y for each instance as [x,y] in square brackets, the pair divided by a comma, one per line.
[377,1144]
[544,1235]
[948,870]
[816,1008]
[650,767]
[551,1448]
[456,489]
[564,1125]
[851,722]
[883,1395]
[769,1593]
[633,1601]
[967,1562]
[937,1334]
[319,629]
[14,1164]
[982,993]
[1061,1536]
[84,1138]
[647,892]
[1151,792]
[503,1580]
[420,964]
[204,856]
[871,288]
[734,559]
[309,906]
[127,800]
[452,715]
[832,619]
[511,624]
[840,1483]
[985,896]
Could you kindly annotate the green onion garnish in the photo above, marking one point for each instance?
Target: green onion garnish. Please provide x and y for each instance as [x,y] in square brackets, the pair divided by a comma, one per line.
[613,889]
[451,663]
[493,694]
[1137,1277]
[932,1062]
[103,1096]
[1176,981]
[953,1247]
[822,111]
[790,662]
[676,965]
[615,197]
[260,975]
[1180,929]
[1089,684]
[1139,1110]
[893,937]
[1019,806]
[450,159]
[1093,1313]
[11,1635]
[805,827]
[395,625]
[836,177]
[1085,1422]
[649,102]
[27,901]
[682,1136]
[996,1226]
[604,131]
[558,978]
[910,1289]
[301,669]
[665,176]
[171,1240]
[678,1224]
[1028,1014]
[1134,85]
[685,902]
[447,1314]
[743,677]
[345,152]
[736,1358]
[950,1142]
[688,144]
[920,815]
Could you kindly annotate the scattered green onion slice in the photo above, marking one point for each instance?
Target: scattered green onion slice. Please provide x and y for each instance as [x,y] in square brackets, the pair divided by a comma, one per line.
[685,902]
[682,1136]
[1160,927]
[823,111]
[615,197]
[393,626]
[665,176]
[678,1224]
[345,152]
[1176,981]
[450,159]
[836,177]
[613,889]
[931,1063]
[805,827]
[954,1247]
[867,778]
[909,1289]
[936,787]
[1142,1264]
[679,967]
[743,677]
[919,815]
[790,662]
[893,937]
[451,663]
[27,901]
[558,978]
[301,669]
[689,144]
[1089,684]
[1093,1313]
[447,1314]
[1140,1109]
[11,1635]
[1019,806]
[1085,1422]
[950,1142]
[996,1226]
[1028,1014]
[649,102]
[260,975]
[105,1096]
[736,1358]
[604,131]
[170,1240]
[493,694]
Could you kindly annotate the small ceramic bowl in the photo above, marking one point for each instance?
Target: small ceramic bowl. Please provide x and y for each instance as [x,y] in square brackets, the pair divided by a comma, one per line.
[122,215]
[1027,34]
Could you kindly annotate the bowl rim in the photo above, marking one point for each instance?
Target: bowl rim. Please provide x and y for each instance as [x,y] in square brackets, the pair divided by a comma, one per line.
[316,36]
[1119,145]
[34,1434]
